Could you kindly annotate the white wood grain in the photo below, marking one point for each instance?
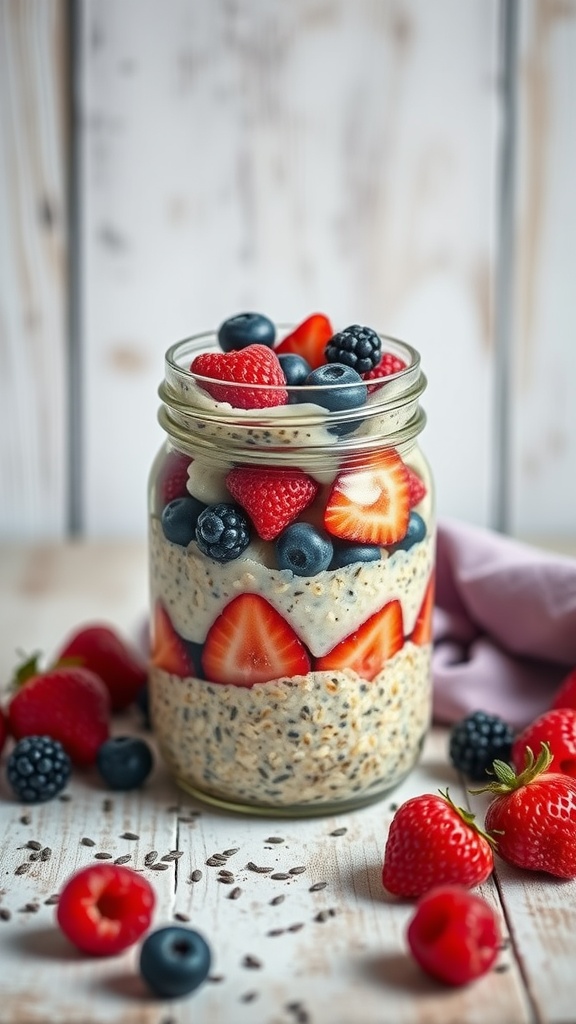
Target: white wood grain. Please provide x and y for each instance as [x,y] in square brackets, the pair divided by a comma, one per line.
[33,273]
[544,461]
[285,157]
[352,968]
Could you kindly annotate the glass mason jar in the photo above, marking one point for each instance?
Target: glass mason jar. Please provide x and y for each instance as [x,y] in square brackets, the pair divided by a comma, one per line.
[290,672]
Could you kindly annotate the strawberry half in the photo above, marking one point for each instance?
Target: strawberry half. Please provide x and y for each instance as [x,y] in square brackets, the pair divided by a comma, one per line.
[251,643]
[422,632]
[309,340]
[169,651]
[370,504]
[367,649]
[271,497]
[237,370]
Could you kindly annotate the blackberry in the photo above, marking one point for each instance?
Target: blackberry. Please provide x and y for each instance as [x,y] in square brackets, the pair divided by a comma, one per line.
[38,769]
[476,741]
[222,532]
[358,347]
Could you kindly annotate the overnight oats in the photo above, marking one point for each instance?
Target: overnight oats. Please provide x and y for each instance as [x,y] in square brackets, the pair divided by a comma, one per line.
[292,546]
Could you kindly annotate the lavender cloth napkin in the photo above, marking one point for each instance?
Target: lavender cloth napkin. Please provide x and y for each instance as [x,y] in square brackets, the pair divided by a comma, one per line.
[504,625]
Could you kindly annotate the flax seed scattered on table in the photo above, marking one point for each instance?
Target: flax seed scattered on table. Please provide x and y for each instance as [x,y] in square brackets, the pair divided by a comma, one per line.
[251,961]
[52,900]
[258,868]
[45,853]
[280,876]
[215,862]
[5,914]
[129,835]
[277,899]
[107,804]
[297,870]
[248,997]
[32,844]
[274,839]
[196,875]
[159,867]
[34,856]
[235,893]
[275,931]
[230,852]
[180,916]
[150,858]
[124,859]
[317,886]
[339,832]
[102,856]
[22,868]
[173,855]
[295,927]
[87,842]
[65,797]
[30,908]
[25,819]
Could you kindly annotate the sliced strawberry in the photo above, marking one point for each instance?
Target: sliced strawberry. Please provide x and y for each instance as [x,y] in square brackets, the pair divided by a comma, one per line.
[233,372]
[251,643]
[172,479]
[309,340]
[422,632]
[271,497]
[367,649]
[370,504]
[417,487]
[168,648]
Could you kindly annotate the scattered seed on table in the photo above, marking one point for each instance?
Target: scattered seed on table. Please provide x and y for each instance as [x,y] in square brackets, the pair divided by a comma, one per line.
[196,875]
[277,899]
[65,797]
[52,900]
[180,916]
[32,844]
[35,855]
[187,821]
[225,880]
[159,866]
[393,807]
[173,809]
[107,804]
[22,868]
[274,839]
[260,869]
[173,855]
[215,977]
[279,876]
[500,968]
[332,911]
[129,835]
[322,916]
[46,853]
[5,914]
[339,832]
[231,852]
[102,856]
[215,862]
[251,961]
[236,892]
[150,858]
[297,870]
[25,819]
[317,886]
[124,859]
[29,908]
[85,841]
[295,927]
[275,931]
[248,997]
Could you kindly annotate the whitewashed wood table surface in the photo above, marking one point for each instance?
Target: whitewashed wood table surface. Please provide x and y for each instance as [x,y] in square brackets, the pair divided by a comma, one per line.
[332,956]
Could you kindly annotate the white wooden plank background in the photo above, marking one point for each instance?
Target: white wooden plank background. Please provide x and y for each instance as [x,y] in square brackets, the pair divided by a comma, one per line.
[318,154]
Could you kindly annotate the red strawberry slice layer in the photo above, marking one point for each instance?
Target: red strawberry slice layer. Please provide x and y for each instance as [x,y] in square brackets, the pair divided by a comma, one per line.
[168,648]
[251,643]
[370,504]
[271,497]
[233,372]
[416,486]
[367,649]
[309,340]
[422,632]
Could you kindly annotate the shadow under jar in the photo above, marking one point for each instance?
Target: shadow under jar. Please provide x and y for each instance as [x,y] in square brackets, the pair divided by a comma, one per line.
[294,676]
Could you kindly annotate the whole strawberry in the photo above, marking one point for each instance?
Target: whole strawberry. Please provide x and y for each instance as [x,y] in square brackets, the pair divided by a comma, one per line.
[565,696]
[556,728]
[432,842]
[70,705]
[100,649]
[535,815]
[230,375]
[271,497]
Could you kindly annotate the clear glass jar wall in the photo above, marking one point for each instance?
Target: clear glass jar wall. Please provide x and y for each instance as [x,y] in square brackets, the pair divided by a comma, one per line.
[294,676]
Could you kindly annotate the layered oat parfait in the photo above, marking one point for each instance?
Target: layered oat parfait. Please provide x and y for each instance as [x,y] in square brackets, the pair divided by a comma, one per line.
[292,544]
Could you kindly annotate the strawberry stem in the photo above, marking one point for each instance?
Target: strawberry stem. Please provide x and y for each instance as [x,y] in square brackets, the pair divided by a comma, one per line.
[508,780]
[26,670]
[467,817]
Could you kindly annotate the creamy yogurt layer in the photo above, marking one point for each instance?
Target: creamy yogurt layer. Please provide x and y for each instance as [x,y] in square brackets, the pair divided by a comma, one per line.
[315,739]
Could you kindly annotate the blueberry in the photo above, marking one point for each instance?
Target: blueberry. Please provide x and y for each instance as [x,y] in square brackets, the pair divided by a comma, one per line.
[179,520]
[223,531]
[416,531]
[347,554]
[124,762]
[246,329]
[38,769]
[336,399]
[303,549]
[174,961]
[295,368]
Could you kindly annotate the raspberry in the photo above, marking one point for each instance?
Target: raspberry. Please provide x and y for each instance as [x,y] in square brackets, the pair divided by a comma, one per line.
[38,769]
[476,741]
[454,935]
[358,347]
[105,908]
[388,365]
[222,532]
[416,486]
[232,372]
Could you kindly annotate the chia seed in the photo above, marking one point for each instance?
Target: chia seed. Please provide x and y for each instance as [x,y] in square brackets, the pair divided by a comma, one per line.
[235,894]
[251,961]
[196,875]
[124,859]
[103,856]
[129,835]
[317,886]
[87,842]
[150,858]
